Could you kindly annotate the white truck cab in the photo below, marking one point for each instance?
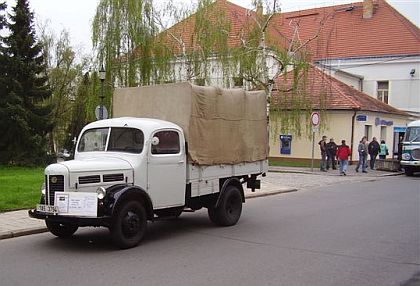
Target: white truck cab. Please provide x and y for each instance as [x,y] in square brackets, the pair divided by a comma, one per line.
[410,157]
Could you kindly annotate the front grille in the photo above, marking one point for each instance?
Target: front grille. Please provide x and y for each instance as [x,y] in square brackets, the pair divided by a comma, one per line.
[89,179]
[415,153]
[55,184]
[113,177]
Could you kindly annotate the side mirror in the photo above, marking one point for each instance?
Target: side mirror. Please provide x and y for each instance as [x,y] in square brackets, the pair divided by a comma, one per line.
[155,141]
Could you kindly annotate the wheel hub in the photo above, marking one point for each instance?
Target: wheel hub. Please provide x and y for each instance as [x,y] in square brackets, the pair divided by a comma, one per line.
[131,223]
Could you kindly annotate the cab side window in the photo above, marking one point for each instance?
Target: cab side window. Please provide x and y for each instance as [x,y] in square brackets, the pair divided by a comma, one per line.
[168,143]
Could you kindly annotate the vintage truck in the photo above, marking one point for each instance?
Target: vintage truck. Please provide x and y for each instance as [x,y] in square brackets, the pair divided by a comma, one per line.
[171,148]
[410,157]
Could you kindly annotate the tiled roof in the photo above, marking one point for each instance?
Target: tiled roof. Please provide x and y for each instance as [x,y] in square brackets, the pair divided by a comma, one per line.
[341,30]
[236,16]
[326,92]
[345,33]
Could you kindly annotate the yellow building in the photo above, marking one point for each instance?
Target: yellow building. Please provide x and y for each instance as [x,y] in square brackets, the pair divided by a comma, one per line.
[347,114]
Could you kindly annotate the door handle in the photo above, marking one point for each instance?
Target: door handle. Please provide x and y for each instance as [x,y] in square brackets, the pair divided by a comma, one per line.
[181,162]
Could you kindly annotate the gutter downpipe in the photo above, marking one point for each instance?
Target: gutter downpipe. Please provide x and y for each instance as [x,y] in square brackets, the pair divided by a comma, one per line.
[352,132]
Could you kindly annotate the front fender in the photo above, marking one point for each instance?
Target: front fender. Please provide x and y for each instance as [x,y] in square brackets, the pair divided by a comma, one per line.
[118,194]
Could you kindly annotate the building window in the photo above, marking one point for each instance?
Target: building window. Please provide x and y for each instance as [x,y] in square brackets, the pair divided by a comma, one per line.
[200,81]
[383,91]
[368,132]
[383,133]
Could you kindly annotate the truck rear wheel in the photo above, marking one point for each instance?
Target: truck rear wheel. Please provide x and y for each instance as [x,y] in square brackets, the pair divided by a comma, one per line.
[229,209]
[129,225]
[61,230]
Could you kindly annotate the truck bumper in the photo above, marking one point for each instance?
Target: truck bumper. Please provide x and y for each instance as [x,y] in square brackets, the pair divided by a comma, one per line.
[79,221]
[410,163]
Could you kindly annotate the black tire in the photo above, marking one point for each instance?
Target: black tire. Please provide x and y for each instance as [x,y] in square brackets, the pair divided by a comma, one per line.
[408,171]
[129,225]
[213,215]
[61,230]
[229,209]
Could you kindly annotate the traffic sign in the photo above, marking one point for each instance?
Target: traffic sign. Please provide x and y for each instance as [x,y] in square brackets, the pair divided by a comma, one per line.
[98,112]
[315,119]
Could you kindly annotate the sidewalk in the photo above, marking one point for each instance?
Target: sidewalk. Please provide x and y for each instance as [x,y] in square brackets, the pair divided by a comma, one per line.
[18,223]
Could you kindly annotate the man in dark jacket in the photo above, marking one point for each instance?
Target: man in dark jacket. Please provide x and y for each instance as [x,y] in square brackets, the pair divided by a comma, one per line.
[331,153]
[373,149]
[323,148]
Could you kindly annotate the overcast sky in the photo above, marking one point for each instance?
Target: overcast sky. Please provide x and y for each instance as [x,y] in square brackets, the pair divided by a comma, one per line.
[76,15]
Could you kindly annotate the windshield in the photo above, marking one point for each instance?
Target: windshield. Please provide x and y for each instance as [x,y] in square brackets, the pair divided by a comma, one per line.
[412,134]
[122,139]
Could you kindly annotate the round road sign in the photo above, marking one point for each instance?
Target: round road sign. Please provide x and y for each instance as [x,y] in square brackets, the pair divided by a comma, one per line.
[315,119]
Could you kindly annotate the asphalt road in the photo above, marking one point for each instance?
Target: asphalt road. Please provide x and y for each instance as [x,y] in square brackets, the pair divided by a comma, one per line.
[365,233]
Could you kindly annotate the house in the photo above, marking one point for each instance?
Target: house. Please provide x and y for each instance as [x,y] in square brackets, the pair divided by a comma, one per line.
[348,114]
[366,58]
[368,45]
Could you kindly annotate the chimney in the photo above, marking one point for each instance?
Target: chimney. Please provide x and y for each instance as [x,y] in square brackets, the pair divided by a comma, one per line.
[367,9]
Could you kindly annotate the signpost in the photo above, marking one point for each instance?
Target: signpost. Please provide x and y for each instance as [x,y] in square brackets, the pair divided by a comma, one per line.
[315,121]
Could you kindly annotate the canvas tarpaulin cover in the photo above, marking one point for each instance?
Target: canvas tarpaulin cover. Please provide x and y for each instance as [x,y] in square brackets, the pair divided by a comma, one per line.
[221,126]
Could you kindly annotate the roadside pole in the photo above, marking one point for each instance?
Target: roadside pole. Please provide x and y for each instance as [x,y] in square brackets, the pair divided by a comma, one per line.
[315,120]
[313,149]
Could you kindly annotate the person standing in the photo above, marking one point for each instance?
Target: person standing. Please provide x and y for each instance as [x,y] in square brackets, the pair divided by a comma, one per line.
[373,149]
[331,154]
[363,151]
[343,153]
[383,150]
[323,149]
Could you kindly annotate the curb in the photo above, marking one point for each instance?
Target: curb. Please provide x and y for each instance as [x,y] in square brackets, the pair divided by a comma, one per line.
[266,194]
[22,232]
[326,174]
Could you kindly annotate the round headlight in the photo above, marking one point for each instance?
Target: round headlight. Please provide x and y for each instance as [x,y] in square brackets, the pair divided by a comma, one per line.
[406,156]
[101,192]
[43,190]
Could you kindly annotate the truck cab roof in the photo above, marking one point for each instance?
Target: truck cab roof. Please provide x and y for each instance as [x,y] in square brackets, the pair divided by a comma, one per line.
[147,125]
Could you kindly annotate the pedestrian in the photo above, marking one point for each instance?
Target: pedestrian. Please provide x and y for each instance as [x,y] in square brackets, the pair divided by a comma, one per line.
[323,149]
[331,154]
[363,151]
[343,153]
[400,148]
[373,149]
[383,150]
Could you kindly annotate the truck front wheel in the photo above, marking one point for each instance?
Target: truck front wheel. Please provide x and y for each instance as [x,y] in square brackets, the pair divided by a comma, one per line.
[61,230]
[129,225]
[408,171]
[229,209]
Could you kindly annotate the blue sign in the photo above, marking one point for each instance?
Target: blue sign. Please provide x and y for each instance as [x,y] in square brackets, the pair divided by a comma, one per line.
[361,117]
[379,121]
[399,129]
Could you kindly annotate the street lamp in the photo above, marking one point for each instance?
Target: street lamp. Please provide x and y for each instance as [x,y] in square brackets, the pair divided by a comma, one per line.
[102,75]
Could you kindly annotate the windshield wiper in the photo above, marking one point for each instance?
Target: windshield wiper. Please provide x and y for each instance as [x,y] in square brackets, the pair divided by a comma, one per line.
[415,138]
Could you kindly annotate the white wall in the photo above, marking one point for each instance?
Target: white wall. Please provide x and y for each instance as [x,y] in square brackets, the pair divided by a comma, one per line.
[404,89]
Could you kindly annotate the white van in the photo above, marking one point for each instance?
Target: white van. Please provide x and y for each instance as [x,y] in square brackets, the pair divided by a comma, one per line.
[410,158]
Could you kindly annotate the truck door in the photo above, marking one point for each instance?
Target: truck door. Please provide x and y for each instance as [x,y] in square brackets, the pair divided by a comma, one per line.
[167,168]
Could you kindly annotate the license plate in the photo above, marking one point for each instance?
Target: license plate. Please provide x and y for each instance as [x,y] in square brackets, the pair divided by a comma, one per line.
[47,209]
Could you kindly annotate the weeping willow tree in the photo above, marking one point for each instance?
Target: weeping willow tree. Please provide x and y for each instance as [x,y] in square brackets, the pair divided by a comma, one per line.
[212,42]
[267,60]
[121,30]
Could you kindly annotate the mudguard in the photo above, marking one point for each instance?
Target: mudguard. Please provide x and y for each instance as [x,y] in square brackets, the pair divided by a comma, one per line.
[117,194]
[231,181]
